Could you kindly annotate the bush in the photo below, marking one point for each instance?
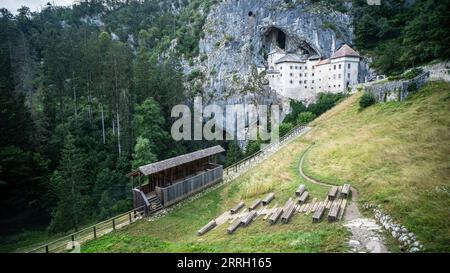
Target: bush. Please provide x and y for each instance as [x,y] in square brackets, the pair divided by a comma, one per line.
[285,128]
[413,73]
[305,117]
[367,100]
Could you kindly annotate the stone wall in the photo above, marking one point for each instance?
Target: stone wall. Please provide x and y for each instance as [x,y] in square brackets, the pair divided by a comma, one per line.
[396,90]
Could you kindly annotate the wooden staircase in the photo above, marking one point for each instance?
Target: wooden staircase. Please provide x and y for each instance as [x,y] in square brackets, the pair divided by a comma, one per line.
[155,205]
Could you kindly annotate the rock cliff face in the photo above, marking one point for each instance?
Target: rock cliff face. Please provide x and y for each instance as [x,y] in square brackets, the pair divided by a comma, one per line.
[240,33]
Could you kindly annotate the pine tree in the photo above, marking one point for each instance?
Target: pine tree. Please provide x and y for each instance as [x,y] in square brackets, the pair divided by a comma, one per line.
[68,184]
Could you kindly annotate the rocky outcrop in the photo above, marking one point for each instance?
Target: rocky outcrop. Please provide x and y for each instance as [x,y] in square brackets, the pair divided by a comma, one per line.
[240,33]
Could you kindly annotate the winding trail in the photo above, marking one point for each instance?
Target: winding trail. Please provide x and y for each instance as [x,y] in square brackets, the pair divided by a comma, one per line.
[366,233]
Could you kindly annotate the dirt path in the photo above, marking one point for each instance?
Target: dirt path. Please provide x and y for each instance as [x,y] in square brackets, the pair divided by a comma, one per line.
[366,233]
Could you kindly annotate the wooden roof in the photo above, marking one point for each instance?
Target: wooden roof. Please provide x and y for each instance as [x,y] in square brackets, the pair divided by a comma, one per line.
[177,161]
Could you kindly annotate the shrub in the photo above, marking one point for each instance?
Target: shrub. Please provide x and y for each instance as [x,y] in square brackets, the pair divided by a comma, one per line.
[285,128]
[367,100]
[305,117]
[194,75]
[411,74]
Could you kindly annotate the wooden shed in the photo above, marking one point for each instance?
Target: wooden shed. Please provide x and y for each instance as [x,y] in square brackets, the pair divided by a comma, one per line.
[168,181]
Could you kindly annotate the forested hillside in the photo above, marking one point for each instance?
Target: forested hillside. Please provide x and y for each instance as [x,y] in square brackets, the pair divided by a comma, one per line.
[86,93]
[402,34]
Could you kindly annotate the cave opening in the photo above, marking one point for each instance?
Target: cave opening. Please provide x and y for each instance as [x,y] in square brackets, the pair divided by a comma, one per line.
[281,39]
[250,13]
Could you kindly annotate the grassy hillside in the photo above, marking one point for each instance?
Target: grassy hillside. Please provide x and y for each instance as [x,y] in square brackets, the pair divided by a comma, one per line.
[176,232]
[396,154]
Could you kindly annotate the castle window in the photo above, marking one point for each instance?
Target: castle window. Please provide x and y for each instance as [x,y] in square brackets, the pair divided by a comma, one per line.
[334,76]
[300,82]
[306,68]
[313,74]
[334,67]
[281,68]
[339,66]
[296,67]
[348,75]
[306,87]
[290,74]
[339,85]
[290,67]
[349,65]
[300,68]
[339,76]
[305,82]
[312,81]
[300,74]
[291,82]
[334,85]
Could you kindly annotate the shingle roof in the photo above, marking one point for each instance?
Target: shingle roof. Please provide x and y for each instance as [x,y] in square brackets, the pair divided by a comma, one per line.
[291,58]
[345,51]
[179,160]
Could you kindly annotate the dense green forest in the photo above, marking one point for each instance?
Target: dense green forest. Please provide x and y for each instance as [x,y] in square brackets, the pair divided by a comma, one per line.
[84,99]
[400,34]
[86,91]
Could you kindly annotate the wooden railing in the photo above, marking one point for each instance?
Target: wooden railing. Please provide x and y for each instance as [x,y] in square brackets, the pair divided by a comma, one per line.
[174,193]
[268,149]
[69,242]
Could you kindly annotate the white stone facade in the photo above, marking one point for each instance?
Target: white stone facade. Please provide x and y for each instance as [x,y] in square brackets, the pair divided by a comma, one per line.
[301,77]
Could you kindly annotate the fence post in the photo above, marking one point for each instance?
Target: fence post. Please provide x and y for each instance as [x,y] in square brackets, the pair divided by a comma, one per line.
[46,249]
[129,216]
[114,223]
[95,232]
[73,241]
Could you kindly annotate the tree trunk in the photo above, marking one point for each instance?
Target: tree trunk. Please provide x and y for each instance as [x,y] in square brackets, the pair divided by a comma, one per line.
[103,127]
[119,147]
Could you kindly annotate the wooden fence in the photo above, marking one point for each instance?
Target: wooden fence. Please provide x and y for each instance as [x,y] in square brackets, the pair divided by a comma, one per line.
[68,242]
[174,193]
[64,244]
[268,149]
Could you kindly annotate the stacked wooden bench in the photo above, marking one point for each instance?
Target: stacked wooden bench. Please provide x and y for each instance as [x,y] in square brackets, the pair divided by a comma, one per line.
[236,208]
[319,212]
[269,197]
[275,215]
[303,197]
[300,190]
[246,220]
[345,191]
[255,204]
[334,211]
[207,227]
[333,193]
[288,211]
